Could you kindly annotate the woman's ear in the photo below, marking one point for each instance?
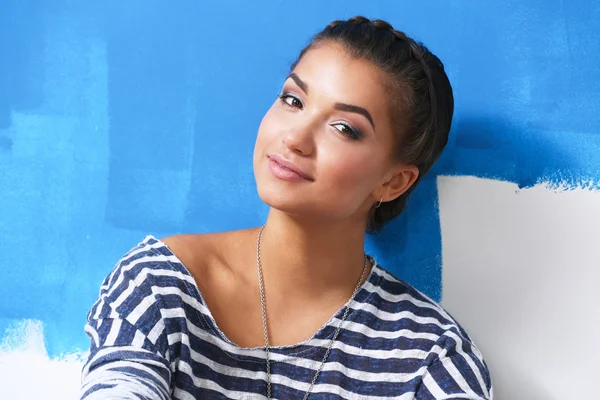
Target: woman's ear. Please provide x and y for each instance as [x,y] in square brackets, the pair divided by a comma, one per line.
[402,177]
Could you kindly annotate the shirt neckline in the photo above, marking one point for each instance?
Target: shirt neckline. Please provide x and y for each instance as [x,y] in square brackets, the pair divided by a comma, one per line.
[303,348]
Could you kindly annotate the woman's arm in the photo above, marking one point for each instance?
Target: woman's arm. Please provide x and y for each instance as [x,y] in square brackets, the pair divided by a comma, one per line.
[123,364]
[129,352]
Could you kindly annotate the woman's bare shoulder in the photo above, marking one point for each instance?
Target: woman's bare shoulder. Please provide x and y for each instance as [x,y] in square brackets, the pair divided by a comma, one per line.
[203,252]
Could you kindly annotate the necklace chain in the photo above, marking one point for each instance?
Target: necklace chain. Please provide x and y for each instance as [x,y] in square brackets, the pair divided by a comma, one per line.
[263,307]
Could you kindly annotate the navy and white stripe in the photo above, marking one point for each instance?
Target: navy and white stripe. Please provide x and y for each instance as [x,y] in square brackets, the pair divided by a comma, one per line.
[152,337]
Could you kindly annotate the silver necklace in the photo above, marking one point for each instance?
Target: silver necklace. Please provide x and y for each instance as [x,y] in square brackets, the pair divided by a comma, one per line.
[264,319]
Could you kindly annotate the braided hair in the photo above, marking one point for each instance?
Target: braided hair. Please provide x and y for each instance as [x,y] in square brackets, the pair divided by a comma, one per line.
[420,93]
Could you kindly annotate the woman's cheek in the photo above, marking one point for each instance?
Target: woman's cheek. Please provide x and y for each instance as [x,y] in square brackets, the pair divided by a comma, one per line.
[267,129]
[344,172]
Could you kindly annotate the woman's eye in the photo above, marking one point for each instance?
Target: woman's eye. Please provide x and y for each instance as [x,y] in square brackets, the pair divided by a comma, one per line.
[291,101]
[348,131]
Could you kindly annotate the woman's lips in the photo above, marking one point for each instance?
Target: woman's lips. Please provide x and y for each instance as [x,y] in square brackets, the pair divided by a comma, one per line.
[286,170]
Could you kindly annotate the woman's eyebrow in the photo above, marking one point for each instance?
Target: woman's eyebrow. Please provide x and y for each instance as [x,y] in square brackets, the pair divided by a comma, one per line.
[355,109]
[338,106]
[301,84]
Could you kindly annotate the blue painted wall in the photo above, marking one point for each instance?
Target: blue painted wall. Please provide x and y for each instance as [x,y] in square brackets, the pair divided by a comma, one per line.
[121,119]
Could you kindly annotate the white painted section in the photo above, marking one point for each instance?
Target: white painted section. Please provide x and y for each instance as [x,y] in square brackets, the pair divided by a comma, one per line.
[26,371]
[521,272]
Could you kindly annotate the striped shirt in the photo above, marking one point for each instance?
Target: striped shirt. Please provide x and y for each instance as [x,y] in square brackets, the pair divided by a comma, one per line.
[152,337]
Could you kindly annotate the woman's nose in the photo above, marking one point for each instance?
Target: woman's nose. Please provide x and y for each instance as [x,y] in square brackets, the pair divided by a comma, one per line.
[300,140]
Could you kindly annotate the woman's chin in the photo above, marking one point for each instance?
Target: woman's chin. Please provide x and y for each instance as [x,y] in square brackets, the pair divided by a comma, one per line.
[283,203]
[287,203]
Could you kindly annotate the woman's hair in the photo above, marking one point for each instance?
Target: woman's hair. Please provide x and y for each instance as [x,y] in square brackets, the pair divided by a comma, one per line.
[421,97]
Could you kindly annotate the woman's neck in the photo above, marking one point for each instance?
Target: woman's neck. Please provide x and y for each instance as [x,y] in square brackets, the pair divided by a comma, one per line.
[311,258]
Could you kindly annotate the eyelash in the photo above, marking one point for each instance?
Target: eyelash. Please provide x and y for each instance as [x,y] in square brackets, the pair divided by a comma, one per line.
[285,96]
[351,132]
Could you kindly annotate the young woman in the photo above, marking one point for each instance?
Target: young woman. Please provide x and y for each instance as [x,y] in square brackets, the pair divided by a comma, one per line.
[295,309]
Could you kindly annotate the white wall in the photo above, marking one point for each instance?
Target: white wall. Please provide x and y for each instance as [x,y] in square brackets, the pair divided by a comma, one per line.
[26,371]
[521,270]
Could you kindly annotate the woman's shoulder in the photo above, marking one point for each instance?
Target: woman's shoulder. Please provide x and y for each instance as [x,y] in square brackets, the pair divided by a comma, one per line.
[160,264]
[148,265]
[206,255]
[399,294]
[150,256]
[418,311]
[196,251]
[430,330]
[190,250]
[152,276]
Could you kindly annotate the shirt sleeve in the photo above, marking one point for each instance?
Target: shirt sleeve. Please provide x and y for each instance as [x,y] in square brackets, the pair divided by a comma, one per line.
[458,373]
[129,354]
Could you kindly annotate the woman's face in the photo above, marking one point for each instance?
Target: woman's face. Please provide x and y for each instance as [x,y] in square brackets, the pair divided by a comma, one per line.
[324,148]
